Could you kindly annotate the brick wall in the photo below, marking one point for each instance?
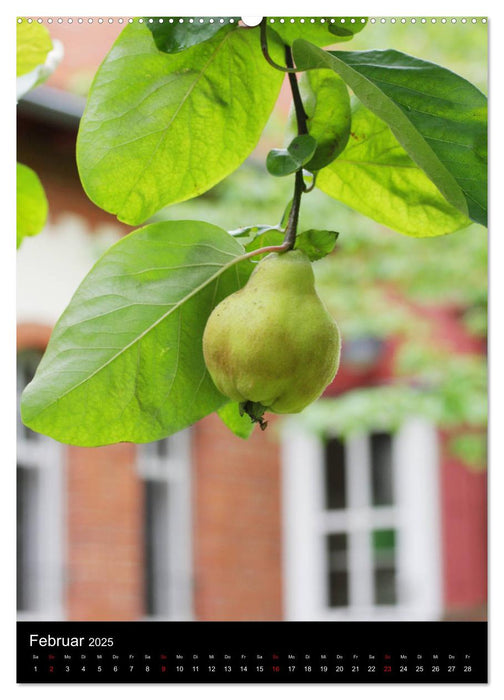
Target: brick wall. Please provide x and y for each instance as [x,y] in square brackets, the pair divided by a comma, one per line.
[104,534]
[237,524]
[464,527]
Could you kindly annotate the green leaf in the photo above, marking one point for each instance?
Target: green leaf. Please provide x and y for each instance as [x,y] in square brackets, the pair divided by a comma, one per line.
[161,128]
[31,203]
[125,360]
[327,104]
[375,176]
[247,234]
[271,236]
[173,35]
[241,425]
[439,118]
[32,46]
[332,30]
[316,244]
[281,161]
[254,237]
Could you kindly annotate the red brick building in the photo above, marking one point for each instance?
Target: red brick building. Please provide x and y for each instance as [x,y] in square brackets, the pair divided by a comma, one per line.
[204,525]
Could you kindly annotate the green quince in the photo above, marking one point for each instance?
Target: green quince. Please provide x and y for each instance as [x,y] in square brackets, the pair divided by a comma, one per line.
[273,345]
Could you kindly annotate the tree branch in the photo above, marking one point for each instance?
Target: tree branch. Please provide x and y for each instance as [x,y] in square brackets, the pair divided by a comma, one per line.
[299,185]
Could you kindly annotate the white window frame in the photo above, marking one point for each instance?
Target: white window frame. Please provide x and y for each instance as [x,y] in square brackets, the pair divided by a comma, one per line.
[175,471]
[47,542]
[306,522]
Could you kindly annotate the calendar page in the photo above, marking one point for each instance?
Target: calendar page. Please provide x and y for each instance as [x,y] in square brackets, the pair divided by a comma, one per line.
[251,337]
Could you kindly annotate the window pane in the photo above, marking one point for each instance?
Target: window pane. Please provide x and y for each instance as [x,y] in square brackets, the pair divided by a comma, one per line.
[335,479]
[156,576]
[384,566]
[381,469]
[162,448]
[26,534]
[159,449]
[27,362]
[337,569]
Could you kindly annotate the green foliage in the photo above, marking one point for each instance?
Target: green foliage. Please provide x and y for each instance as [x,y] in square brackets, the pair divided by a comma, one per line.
[238,422]
[160,128]
[382,285]
[250,234]
[376,176]
[387,407]
[370,409]
[175,34]
[31,203]
[327,105]
[460,382]
[332,30]
[33,43]
[267,237]
[315,243]
[471,449]
[376,280]
[438,117]
[124,362]
[463,47]
[285,161]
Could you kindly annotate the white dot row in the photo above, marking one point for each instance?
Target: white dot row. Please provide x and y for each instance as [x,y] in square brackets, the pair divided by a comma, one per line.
[281,20]
[432,20]
[120,20]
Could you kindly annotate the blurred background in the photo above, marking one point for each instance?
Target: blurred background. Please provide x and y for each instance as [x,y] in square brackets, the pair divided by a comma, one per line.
[369,505]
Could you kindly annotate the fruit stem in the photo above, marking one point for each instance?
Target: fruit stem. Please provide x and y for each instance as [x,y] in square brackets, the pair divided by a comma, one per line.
[282,248]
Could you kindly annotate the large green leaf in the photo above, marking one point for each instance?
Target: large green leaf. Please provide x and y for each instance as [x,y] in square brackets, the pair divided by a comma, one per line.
[125,360]
[438,117]
[32,46]
[160,128]
[175,34]
[322,31]
[375,176]
[31,203]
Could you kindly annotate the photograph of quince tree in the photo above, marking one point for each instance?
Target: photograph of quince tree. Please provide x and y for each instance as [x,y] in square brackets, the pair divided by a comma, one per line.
[304,201]
[174,109]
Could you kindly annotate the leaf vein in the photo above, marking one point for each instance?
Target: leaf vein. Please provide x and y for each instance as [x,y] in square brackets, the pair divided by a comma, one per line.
[153,325]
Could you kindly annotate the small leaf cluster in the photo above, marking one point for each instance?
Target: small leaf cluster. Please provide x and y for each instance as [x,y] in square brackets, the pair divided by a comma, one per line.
[33,46]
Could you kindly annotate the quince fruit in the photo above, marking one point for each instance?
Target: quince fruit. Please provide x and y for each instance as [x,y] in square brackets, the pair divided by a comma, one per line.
[273,345]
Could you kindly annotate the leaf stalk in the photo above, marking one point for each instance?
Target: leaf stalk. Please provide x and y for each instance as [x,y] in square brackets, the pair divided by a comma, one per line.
[266,54]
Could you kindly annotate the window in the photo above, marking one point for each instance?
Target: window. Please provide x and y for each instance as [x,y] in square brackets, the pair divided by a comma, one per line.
[164,467]
[361,525]
[39,514]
